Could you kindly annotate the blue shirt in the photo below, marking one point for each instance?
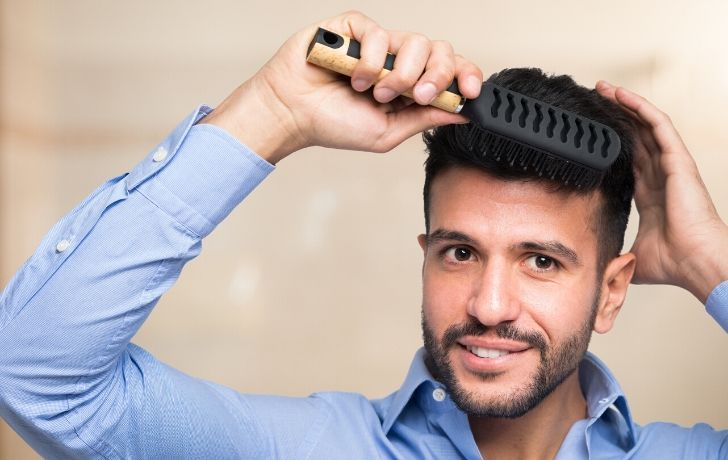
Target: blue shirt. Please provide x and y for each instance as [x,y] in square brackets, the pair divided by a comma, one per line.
[72,385]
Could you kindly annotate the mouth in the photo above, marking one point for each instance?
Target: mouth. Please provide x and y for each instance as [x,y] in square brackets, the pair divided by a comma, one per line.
[491,353]
[492,356]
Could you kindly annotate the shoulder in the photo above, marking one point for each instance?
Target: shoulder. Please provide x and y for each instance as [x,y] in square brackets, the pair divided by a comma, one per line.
[675,441]
[341,409]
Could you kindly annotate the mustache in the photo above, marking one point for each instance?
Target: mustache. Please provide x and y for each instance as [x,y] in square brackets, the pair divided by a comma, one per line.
[504,331]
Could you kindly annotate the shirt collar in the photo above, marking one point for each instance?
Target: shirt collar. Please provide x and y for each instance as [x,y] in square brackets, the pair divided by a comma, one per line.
[416,376]
[602,392]
[599,385]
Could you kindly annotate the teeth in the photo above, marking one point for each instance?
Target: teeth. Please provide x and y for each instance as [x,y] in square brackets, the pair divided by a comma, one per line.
[487,352]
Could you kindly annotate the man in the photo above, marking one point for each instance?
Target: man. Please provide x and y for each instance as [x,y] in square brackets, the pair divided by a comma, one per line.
[515,276]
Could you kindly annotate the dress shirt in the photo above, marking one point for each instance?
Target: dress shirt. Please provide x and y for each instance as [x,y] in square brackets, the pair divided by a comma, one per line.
[72,385]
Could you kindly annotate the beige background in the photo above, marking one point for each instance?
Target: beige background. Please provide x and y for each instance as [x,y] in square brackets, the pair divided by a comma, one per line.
[313,283]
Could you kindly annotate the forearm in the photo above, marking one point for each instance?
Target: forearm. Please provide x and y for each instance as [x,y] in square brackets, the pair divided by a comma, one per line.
[67,316]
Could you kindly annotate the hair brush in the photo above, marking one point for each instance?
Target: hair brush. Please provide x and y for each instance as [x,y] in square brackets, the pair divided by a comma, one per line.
[507,125]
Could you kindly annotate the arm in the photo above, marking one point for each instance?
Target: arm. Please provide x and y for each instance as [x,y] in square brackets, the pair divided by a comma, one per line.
[70,381]
[681,239]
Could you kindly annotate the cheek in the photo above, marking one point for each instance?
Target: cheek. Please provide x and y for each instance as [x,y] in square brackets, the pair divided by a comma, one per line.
[445,297]
[559,310]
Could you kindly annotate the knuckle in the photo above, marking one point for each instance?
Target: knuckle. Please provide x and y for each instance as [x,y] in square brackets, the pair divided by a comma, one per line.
[377,33]
[443,45]
[419,42]
[406,78]
[394,82]
[418,38]
[364,69]
[442,74]
[354,14]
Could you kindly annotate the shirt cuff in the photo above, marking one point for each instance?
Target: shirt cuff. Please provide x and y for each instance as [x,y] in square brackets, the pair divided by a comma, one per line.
[199,174]
[717,304]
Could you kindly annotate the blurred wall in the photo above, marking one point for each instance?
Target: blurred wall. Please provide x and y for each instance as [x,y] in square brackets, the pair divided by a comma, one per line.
[321,262]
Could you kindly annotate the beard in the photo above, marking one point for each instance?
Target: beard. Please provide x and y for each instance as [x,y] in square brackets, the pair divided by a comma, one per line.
[555,365]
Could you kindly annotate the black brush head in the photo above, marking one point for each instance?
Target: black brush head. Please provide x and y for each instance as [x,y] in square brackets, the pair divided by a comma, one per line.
[555,143]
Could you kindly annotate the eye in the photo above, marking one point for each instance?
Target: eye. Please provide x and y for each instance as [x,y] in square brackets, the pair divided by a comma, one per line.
[541,263]
[458,253]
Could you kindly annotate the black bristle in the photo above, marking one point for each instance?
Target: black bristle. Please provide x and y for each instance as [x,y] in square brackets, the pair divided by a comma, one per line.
[502,149]
[529,134]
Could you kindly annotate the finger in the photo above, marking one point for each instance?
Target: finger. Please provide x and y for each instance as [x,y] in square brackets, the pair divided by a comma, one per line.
[470,77]
[412,56]
[439,73]
[644,142]
[647,138]
[412,120]
[374,45]
[666,136]
[607,90]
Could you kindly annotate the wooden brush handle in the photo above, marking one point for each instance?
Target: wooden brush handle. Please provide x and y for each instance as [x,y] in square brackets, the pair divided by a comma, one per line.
[341,54]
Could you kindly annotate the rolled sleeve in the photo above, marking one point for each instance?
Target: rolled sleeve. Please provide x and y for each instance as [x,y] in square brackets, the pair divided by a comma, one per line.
[717,304]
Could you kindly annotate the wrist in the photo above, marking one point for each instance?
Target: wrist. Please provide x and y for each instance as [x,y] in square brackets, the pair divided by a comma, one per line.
[705,270]
[255,117]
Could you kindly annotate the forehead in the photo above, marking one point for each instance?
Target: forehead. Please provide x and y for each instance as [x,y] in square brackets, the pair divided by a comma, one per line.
[472,201]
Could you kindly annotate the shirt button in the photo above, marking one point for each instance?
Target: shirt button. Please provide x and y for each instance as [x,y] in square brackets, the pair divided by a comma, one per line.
[62,245]
[160,155]
[438,394]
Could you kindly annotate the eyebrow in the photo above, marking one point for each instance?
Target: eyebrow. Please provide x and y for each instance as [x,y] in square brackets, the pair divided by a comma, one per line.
[448,235]
[551,247]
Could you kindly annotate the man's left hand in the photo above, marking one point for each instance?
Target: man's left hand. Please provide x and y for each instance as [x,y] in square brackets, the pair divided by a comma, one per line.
[681,239]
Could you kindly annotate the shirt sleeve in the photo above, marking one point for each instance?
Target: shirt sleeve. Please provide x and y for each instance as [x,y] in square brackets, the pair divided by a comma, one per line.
[717,304]
[71,384]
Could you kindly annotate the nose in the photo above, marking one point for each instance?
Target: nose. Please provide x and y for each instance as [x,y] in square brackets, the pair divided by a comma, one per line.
[494,298]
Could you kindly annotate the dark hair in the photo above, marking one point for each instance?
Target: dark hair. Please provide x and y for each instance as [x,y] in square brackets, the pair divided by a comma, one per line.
[444,148]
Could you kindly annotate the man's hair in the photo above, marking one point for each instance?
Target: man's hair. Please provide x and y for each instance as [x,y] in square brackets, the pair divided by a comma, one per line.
[444,148]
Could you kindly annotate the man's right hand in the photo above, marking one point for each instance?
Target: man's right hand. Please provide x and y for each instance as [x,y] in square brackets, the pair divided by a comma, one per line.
[290,104]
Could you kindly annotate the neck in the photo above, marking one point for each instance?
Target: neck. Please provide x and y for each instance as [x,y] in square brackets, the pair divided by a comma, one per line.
[539,433]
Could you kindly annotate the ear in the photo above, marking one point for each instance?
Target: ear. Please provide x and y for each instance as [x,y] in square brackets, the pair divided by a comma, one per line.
[422,239]
[617,276]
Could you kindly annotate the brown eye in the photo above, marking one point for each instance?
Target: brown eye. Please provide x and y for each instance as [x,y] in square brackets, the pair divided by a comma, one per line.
[459,254]
[541,263]
[462,254]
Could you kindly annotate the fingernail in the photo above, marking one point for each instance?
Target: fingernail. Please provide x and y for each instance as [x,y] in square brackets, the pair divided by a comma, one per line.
[426,92]
[360,84]
[384,94]
[605,84]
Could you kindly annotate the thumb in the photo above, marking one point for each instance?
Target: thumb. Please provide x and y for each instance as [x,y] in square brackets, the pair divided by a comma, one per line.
[412,120]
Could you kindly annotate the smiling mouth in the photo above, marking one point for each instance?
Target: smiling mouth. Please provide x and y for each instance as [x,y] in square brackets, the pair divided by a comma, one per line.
[486,352]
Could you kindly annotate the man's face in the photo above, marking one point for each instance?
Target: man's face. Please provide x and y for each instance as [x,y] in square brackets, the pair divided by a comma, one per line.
[509,289]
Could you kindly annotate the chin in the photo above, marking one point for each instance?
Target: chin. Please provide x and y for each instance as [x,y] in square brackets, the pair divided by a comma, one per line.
[501,396]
